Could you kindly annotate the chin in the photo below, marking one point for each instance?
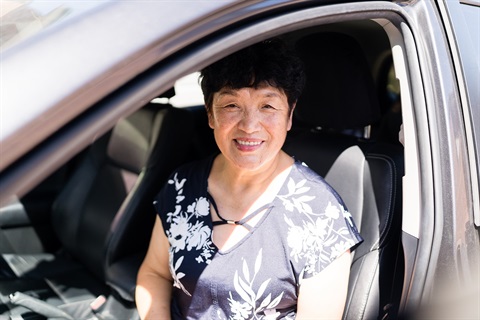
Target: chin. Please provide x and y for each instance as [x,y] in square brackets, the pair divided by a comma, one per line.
[252,162]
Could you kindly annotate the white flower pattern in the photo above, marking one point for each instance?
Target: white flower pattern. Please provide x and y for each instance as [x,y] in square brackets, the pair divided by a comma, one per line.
[315,232]
[316,236]
[185,235]
[251,307]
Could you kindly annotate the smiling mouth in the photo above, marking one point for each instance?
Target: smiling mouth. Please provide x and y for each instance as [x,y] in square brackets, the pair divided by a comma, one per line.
[248,143]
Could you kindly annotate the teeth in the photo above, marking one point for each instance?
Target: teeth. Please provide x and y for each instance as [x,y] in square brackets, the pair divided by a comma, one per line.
[249,143]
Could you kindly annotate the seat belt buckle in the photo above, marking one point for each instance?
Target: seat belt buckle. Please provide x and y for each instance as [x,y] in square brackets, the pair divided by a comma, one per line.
[98,303]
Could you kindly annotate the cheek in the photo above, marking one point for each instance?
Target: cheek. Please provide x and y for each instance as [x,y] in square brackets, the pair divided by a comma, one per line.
[221,121]
[279,124]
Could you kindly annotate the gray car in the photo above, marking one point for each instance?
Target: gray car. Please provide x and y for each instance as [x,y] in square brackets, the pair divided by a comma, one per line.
[95,115]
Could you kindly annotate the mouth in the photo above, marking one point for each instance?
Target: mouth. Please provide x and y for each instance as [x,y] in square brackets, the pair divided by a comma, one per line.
[248,143]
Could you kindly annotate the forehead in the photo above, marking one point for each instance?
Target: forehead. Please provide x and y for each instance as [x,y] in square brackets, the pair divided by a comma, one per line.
[262,91]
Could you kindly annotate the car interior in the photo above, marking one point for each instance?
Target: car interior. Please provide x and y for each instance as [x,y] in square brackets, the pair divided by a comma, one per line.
[72,246]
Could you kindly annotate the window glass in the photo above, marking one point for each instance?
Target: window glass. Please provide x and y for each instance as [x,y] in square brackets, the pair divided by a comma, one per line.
[188,92]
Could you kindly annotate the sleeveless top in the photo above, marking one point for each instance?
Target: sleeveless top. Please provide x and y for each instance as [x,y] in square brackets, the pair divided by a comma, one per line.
[304,229]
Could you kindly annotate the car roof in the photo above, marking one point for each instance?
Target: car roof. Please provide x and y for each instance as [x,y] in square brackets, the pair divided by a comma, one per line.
[56,74]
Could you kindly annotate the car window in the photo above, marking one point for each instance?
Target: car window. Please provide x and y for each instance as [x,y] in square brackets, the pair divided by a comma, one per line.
[21,19]
[187,91]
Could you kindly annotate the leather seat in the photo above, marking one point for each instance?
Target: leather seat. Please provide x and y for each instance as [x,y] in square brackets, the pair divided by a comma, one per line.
[103,217]
[338,103]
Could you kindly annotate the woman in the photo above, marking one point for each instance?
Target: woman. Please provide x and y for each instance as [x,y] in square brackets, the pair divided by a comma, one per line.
[249,233]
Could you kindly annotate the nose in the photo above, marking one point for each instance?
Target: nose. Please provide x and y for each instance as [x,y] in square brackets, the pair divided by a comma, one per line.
[250,121]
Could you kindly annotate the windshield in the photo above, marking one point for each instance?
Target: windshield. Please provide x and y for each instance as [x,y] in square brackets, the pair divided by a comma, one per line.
[21,19]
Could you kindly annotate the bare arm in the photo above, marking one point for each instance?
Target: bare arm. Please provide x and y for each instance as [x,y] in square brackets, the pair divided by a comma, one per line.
[154,281]
[323,296]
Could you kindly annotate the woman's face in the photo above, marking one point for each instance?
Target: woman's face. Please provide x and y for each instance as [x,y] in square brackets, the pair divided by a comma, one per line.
[250,124]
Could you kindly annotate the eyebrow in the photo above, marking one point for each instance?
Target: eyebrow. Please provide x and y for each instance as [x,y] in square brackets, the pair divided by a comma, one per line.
[233,92]
[272,95]
[226,92]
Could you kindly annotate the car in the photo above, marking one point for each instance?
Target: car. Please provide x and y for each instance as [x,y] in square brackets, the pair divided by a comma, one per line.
[100,103]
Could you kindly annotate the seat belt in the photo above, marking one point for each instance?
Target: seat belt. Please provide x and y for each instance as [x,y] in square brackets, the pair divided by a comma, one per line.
[38,306]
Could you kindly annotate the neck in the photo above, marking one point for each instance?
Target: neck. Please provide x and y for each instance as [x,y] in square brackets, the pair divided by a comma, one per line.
[237,180]
[238,192]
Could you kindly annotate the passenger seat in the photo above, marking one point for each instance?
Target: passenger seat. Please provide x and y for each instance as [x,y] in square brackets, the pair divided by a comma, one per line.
[331,117]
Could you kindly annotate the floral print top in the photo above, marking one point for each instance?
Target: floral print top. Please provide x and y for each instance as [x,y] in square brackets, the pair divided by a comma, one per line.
[305,228]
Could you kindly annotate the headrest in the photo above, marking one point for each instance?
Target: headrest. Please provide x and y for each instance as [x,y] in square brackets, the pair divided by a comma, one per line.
[130,143]
[339,93]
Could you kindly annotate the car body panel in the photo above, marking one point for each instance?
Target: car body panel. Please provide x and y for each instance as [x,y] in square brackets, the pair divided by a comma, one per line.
[450,185]
[101,64]
[465,47]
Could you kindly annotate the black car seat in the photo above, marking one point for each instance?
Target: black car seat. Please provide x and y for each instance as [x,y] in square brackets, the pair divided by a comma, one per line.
[131,229]
[112,187]
[339,101]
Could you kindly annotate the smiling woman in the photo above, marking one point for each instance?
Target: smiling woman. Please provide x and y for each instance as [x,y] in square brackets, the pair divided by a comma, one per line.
[248,232]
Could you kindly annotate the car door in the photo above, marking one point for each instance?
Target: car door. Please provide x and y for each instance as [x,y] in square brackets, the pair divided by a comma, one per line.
[440,238]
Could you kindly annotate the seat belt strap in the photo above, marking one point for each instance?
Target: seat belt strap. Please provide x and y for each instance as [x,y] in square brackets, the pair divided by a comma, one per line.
[38,306]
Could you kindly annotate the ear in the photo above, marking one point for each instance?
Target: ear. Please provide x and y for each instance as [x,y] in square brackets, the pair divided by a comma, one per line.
[290,117]
[210,119]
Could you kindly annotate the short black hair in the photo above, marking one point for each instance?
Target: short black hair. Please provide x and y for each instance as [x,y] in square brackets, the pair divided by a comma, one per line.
[270,62]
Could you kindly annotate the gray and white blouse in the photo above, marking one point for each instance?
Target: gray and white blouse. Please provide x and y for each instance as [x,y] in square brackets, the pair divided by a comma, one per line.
[304,229]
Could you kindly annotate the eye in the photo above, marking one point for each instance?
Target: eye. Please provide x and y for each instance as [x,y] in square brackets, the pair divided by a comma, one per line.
[230,106]
[268,106]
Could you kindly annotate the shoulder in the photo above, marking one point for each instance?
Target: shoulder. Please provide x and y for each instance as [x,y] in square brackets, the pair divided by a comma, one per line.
[315,181]
[183,181]
[197,169]
[193,173]
[304,170]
